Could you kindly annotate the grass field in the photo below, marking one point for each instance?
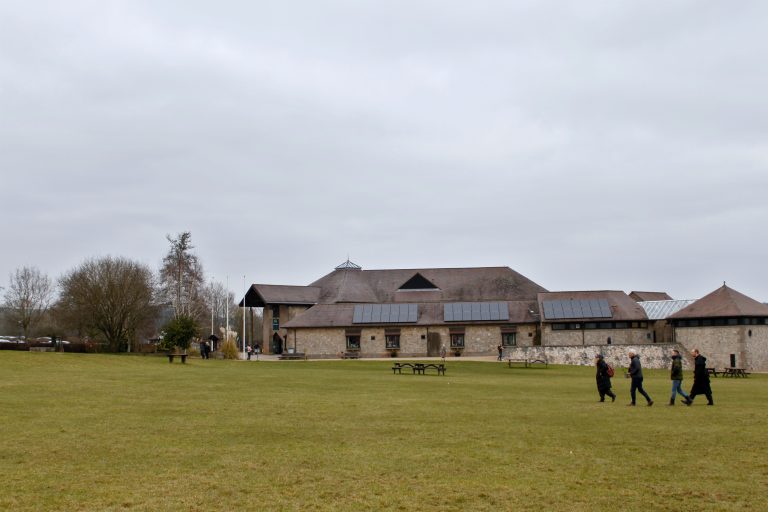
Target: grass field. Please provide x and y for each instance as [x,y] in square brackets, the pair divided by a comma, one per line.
[98,432]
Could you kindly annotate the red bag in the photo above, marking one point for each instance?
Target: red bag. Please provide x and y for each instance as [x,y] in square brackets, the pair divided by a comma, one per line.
[610,371]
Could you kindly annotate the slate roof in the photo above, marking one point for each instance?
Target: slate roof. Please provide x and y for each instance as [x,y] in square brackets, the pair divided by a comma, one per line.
[649,296]
[622,307]
[260,294]
[454,285]
[723,302]
[661,309]
[430,313]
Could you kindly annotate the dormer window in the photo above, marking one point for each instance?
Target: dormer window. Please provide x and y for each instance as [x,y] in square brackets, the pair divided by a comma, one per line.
[417,283]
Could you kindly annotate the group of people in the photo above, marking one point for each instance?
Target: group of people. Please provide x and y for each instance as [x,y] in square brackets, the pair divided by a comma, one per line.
[255,350]
[701,385]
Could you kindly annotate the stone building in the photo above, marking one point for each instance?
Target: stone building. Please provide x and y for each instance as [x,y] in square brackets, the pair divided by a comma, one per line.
[400,312]
[728,327]
[592,318]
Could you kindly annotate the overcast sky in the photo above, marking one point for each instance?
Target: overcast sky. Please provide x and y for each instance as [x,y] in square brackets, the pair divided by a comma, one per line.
[587,145]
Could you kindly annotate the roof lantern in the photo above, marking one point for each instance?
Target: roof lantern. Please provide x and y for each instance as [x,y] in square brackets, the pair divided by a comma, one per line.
[348,265]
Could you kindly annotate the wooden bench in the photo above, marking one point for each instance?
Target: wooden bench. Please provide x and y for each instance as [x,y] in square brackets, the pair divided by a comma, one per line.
[293,356]
[528,362]
[713,372]
[182,356]
[351,355]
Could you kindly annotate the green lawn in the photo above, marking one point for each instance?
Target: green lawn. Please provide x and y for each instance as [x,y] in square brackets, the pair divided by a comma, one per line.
[98,432]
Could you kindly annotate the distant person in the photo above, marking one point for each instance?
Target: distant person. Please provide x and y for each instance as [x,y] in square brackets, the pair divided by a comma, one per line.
[677,379]
[443,352]
[700,378]
[603,378]
[636,373]
[501,351]
[249,351]
[203,350]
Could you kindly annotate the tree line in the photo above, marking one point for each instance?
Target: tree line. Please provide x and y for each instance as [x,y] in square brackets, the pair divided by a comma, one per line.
[120,302]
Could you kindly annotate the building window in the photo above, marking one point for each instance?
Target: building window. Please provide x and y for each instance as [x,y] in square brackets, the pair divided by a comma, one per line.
[275,311]
[622,325]
[393,341]
[509,339]
[353,342]
[457,340]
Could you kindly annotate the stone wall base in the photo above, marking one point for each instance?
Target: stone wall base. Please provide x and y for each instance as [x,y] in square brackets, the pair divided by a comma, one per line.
[658,355]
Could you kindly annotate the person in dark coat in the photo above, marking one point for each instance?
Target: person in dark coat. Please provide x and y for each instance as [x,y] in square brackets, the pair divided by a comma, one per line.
[603,379]
[676,375]
[501,351]
[636,372]
[700,378]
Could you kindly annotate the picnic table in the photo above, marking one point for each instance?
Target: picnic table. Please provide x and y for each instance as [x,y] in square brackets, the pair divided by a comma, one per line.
[418,368]
[735,372]
[712,371]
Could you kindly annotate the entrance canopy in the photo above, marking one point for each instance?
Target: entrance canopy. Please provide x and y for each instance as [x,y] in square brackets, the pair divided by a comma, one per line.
[260,295]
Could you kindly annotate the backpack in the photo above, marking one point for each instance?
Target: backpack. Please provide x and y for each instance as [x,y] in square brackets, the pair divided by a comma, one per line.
[610,371]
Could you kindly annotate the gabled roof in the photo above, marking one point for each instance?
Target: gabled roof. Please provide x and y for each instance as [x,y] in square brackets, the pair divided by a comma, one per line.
[723,302]
[455,285]
[259,295]
[661,309]
[622,307]
[648,296]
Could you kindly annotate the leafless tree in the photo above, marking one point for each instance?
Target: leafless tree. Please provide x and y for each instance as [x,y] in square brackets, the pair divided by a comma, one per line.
[111,296]
[28,297]
[181,277]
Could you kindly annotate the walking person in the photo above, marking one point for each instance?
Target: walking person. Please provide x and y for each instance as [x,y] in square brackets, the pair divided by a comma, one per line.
[442,352]
[677,379]
[636,372]
[501,351]
[700,378]
[249,350]
[204,350]
[603,378]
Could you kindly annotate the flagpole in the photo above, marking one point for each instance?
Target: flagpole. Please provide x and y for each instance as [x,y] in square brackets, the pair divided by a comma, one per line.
[244,293]
[226,333]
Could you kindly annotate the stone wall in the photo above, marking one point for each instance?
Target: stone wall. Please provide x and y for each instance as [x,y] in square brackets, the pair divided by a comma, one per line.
[656,355]
[595,337]
[718,343]
[287,312]
[330,342]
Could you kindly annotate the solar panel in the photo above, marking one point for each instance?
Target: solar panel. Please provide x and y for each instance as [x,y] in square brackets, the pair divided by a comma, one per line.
[567,309]
[475,311]
[385,313]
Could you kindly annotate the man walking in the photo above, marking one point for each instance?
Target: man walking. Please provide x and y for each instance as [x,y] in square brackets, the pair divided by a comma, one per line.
[636,372]
[700,378]
[677,378]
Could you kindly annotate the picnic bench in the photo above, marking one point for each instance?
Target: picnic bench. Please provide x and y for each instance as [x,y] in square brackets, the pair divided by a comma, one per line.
[527,362]
[419,368]
[713,372]
[182,356]
[735,372]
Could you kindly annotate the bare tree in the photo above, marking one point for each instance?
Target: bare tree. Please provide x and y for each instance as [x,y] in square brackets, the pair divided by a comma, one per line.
[29,295]
[181,277]
[112,296]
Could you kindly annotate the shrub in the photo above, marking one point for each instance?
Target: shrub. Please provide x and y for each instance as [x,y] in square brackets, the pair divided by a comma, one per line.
[229,350]
[178,333]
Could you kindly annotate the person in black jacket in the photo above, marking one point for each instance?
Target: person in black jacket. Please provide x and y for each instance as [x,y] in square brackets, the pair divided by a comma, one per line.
[636,372]
[700,378]
[603,379]
[676,375]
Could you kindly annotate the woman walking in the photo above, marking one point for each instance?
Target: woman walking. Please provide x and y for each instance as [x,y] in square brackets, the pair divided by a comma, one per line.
[603,379]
